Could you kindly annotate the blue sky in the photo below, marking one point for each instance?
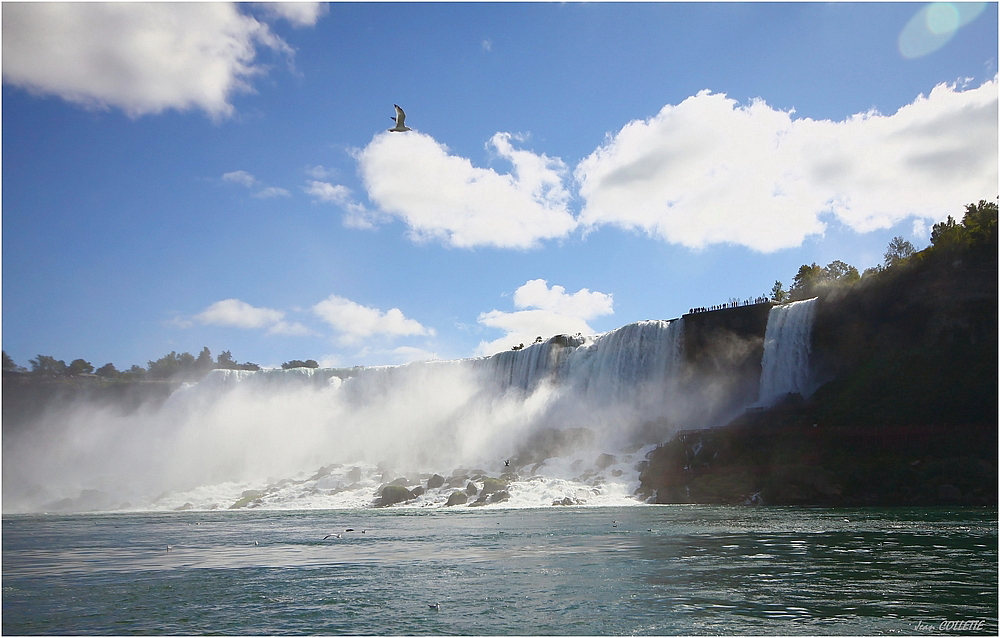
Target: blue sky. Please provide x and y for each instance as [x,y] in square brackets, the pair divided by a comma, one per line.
[182,175]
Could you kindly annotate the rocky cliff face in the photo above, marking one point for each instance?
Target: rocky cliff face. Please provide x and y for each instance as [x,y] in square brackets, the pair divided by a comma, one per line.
[907,413]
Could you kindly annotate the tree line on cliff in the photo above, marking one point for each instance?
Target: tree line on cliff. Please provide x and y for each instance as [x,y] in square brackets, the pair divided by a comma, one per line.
[173,366]
[977,229]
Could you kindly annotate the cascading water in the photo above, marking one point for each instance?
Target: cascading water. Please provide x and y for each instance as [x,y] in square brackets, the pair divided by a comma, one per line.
[574,415]
[787,346]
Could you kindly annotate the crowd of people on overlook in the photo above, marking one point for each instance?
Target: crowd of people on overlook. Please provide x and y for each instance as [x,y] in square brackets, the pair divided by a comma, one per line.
[732,304]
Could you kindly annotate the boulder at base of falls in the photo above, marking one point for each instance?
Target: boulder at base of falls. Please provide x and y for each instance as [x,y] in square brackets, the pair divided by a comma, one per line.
[604,461]
[491,485]
[435,481]
[392,494]
[471,489]
[500,497]
[248,496]
[417,491]
[457,498]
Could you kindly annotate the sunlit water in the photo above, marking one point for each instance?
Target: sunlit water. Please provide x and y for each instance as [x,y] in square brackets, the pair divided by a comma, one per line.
[543,571]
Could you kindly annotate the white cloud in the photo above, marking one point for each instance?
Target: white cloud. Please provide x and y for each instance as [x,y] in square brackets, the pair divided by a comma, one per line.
[248,180]
[356,214]
[710,171]
[300,14]
[548,312]
[240,177]
[407,354]
[444,197]
[140,57]
[355,322]
[239,314]
[293,329]
[320,172]
[272,191]
[582,303]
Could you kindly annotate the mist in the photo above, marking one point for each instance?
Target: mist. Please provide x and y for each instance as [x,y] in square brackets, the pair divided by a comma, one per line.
[333,437]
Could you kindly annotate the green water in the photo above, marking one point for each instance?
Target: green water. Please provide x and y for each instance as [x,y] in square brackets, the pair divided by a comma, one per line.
[551,571]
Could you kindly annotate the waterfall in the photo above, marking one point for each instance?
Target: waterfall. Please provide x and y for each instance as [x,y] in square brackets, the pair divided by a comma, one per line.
[787,346]
[611,367]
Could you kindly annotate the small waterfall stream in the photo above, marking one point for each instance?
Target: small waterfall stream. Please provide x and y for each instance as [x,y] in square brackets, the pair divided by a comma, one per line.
[787,346]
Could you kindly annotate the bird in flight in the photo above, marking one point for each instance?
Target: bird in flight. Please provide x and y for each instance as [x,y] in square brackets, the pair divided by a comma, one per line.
[399,119]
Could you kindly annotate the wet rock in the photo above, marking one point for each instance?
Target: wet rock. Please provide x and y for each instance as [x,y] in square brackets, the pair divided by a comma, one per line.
[500,497]
[417,491]
[604,461]
[185,507]
[491,485]
[392,494]
[354,475]
[248,497]
[457,498]
[435,481]
[471,489]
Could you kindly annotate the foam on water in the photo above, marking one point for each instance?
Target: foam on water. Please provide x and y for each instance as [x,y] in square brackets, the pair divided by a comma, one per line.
[561,410]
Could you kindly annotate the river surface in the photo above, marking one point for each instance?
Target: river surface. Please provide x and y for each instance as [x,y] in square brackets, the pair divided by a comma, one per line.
[545,571]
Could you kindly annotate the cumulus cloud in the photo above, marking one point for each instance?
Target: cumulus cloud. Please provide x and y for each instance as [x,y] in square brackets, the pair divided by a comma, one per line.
[299,14]
[546,312]
[246,179]
[140,57]
[356,214]
[444,197]
[240,177]
[354,322]
[239,314]
[272,191]
[711,171]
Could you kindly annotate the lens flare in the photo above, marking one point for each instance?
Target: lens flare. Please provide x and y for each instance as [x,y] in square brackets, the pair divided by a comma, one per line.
[935,25]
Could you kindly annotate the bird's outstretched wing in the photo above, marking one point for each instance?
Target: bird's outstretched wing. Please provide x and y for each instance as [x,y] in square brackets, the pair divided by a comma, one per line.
[400,118]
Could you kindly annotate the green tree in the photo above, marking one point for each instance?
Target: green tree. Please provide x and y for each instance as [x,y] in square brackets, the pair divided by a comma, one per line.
[840,272]
[135,373]
[108,371]
[980,221]
[947,234]
[805,281]
[899,250]
[165,367]
[9,365]
[45,366]
[79,366]
[225,361]
[778,293]
[204,361]
[812,279]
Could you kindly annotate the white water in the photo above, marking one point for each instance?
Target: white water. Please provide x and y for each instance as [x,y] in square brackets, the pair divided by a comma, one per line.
[274,431]
[787,346]
[574,415]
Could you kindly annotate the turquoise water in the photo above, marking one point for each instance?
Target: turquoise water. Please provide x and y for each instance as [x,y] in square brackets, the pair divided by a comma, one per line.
[546,571]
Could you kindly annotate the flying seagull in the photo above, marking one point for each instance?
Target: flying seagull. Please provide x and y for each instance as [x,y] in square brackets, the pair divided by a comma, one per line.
[399,119]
